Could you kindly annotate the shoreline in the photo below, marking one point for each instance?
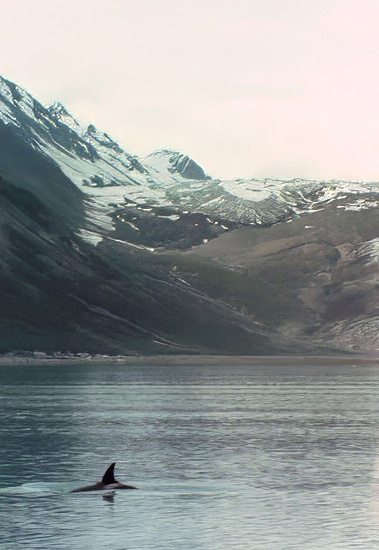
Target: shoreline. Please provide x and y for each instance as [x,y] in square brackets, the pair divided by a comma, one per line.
[197,360]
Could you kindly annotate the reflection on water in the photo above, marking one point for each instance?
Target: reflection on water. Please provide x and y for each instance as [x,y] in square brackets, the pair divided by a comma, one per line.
[239,457]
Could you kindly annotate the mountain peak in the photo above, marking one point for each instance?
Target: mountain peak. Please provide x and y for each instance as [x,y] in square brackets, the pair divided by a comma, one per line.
[59,112]
[176,162]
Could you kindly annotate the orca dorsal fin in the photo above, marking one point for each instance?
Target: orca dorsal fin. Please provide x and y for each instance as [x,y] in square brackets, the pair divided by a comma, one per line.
[108,477]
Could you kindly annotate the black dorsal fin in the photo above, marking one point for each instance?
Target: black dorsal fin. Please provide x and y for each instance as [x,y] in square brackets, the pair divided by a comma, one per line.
[108,477]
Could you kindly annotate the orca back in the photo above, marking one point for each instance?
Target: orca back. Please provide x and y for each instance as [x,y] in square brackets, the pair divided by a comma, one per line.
[107,482]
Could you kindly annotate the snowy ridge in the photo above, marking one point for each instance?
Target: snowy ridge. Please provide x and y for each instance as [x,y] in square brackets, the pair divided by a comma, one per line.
[113,178]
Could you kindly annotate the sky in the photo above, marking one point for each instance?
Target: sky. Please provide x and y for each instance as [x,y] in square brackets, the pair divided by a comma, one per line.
[247,88]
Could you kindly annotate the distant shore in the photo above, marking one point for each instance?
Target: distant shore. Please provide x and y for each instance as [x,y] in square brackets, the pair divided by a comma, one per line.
[188,360]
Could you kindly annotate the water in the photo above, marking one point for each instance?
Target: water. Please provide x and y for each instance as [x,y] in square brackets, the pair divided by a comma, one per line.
[241,457]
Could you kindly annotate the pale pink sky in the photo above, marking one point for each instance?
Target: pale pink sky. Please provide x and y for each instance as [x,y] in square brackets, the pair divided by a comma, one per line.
[265,88]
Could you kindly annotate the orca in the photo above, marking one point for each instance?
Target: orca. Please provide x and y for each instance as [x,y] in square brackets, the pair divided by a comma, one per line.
[107,483]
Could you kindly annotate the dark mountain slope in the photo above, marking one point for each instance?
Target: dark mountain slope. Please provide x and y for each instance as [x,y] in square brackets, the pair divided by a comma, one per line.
[58,292]
[35,172]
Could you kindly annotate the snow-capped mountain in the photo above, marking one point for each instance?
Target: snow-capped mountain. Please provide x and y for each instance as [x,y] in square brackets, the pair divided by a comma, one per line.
[106,252]
[117,181]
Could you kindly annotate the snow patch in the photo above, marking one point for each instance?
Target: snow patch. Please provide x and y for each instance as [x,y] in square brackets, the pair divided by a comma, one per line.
[370,249]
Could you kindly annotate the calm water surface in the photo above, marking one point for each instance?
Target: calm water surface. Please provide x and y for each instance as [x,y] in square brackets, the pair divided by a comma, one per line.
[224,457]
